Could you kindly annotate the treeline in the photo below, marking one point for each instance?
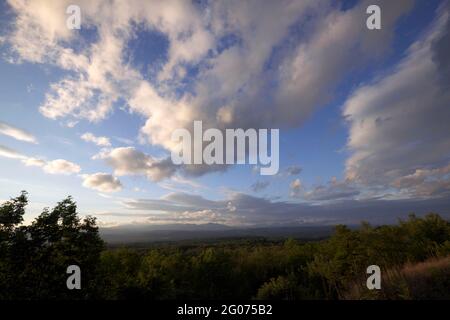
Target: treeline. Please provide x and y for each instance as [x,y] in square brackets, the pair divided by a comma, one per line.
[34,258]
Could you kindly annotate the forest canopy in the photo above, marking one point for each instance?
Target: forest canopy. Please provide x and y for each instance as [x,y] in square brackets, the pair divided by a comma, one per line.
[413,256]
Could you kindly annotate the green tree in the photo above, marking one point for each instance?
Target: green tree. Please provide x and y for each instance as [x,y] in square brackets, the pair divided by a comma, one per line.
[35,257]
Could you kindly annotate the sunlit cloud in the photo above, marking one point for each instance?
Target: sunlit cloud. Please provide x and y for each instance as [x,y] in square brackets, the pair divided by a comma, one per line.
[16,133]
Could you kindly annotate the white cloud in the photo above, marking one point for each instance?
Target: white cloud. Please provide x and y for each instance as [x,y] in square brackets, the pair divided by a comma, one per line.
[71,124]
[124,140]
[33,162]
[399,128]
[99,141]
[231,87]
[16,133]
[61,166]
[164,114]
[102,182]
[129,161]
[38,27]
[296,188]
[10,153]
[71,96]
[99,73]
[340,44]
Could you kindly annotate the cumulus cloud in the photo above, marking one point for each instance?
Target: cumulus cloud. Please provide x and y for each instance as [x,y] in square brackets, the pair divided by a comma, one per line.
[129,161]
[70,96]
[99,73]
[245,77]
[61,166]
[102,182]
[99,141]
[40,35]
[232,90]
[16,133]
[399,133]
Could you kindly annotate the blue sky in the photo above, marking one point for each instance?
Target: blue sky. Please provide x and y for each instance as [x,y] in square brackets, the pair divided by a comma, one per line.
[362,113]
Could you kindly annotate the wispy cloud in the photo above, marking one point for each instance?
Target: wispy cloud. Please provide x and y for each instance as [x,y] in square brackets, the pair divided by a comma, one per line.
[293,170]
[259,186]
[243,209]
[58,166]
[10,153]
[16,133]
[99,141]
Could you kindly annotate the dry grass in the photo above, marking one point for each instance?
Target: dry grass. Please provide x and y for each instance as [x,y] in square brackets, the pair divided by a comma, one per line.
[429,280]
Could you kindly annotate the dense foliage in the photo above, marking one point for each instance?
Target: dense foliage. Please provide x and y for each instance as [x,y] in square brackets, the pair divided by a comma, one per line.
[34,258]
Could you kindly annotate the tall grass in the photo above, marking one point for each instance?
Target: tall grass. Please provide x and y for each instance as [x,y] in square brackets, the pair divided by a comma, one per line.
[428,280]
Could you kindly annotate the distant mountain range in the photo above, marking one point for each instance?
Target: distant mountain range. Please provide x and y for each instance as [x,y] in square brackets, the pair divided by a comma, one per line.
[176,232]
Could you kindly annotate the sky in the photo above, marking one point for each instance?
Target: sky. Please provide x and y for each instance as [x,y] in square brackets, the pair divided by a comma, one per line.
[363,114]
